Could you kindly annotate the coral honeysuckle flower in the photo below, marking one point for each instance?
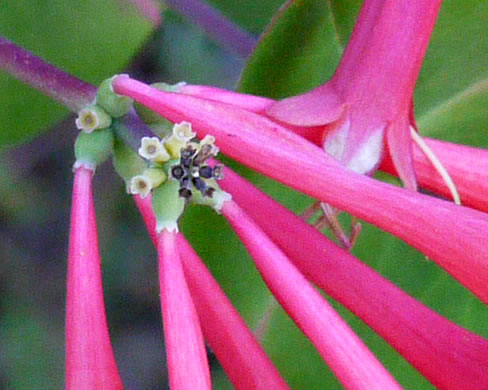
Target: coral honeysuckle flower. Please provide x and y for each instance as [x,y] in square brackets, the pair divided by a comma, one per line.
[90,363]
[369,98]
[360,116]
[431,225]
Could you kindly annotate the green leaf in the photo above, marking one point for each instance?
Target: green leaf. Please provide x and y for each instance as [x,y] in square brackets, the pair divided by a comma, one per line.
[250,14]
[457,57]
[300,49]
[461,118]
[452,92]
[91,39]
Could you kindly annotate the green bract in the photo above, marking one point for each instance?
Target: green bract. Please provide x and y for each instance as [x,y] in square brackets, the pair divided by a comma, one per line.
[116,105]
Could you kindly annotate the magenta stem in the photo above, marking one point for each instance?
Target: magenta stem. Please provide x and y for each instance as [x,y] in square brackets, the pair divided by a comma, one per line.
[216,25]
[51,81]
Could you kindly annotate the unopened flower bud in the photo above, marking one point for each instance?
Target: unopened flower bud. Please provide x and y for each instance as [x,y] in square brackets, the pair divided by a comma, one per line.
[182,134]
[150,178]
[153,150]
[92,149]
[168,206]
[92,118]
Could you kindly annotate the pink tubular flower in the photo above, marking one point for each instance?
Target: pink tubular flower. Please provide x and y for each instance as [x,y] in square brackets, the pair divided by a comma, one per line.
[90,363]
[238,351]
[431,225]
[355,366]
[186,355]
[416,332]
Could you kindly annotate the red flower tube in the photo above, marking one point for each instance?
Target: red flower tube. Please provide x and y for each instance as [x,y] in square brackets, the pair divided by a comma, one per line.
[187,359]
[354,365]
[90,363]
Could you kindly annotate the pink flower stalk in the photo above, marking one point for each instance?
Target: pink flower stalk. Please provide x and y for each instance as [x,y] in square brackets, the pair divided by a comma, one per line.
[187,359]
[446,354]
[431,225]
[354,365]
[238,351]
[90,362]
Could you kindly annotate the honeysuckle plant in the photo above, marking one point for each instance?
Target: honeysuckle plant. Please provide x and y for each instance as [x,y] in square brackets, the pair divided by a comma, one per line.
[325,139]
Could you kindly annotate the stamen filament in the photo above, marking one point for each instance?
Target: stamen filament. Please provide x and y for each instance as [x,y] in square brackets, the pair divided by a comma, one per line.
[436,164]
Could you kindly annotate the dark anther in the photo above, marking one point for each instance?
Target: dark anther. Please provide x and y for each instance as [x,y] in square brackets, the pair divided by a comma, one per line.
[209,191]
[185,193]
[177,171]
[187,152]
[199,184]
[186,161]
[185,182]
[217,172]
[205,152]
[205,172]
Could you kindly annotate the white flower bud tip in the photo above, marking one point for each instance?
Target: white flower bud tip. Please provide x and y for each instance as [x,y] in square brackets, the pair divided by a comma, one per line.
[182,131]
[140,185]
[153,150]
[92,118]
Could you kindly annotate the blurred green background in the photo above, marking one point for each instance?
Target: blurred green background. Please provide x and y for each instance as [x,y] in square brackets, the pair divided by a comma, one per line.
[94,39]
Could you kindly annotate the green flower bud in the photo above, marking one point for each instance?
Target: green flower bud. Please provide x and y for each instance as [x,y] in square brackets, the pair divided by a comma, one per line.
[150,178]
[216,201]
[115,104]
[168,206]
[92,149]
[126,162]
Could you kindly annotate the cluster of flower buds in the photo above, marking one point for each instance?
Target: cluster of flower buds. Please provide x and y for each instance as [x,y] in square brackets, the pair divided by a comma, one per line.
[178,174]
[178,158]
[171,166]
